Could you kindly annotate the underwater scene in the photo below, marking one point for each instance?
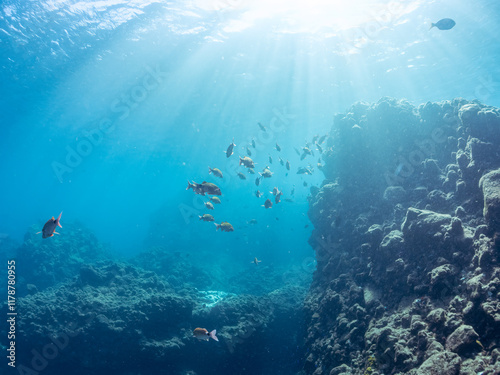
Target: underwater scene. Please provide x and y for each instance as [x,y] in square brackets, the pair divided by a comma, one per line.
[250,187]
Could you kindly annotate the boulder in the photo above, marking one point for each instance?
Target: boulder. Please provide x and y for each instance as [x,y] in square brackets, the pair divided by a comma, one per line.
[490,186]
[462,339]
[444,363]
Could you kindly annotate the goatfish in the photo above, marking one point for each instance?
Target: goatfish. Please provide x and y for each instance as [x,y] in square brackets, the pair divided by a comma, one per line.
[49,229]
[278,147]
[262,127]
[241,176]
[249,153]
[287,165]
[256,261]
[203,334]
[253,143]
[229,150]
[209,205]
[281,162]
[258,194]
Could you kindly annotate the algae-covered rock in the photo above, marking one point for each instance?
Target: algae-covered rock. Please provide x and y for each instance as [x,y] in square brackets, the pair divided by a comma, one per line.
[490,186]
[444,363]
[462,339]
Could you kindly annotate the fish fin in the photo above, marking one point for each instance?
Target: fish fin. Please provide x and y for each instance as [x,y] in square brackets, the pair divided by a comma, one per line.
[56,233]
[50,235]
[38,232]
[59,218]
[212,335]
[53,218]
[432,25]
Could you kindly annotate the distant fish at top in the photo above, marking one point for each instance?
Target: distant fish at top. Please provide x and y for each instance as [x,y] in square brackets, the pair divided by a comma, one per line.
[444,24]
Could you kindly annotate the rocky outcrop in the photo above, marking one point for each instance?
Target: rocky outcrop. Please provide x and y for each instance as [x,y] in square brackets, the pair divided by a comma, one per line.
[408,267]
[42,263]
[115,318]
[490,186]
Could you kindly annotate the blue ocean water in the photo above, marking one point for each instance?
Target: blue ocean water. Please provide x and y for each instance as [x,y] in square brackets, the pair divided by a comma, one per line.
[110,107]
[164,87]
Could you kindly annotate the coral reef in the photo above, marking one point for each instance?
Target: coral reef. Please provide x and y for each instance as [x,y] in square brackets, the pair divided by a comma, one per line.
[407,244]
[42,263]
[117,318]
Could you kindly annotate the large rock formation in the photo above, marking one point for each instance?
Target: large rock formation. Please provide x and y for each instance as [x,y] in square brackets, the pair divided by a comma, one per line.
[115,318]
[408,269]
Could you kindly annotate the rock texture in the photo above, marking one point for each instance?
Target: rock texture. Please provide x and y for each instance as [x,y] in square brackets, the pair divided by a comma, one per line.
[407,243]
[115,318]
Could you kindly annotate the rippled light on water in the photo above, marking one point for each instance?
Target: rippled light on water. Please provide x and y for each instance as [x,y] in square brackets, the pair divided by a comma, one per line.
[296,16]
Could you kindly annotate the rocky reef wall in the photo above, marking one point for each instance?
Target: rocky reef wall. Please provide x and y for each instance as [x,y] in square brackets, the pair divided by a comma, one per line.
[407,240]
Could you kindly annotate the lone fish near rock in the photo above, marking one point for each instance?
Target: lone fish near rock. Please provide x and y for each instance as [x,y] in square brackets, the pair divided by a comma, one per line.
[203,334]
[256,261]
[444,24]
[49,229]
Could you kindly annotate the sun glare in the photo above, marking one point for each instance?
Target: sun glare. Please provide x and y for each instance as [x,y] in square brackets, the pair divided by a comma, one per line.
[299,16]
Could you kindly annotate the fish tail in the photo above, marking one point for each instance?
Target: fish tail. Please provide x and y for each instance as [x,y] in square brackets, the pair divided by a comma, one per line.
[217,226]
[432,25]
[209,170]
[59,218]
[212,335]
